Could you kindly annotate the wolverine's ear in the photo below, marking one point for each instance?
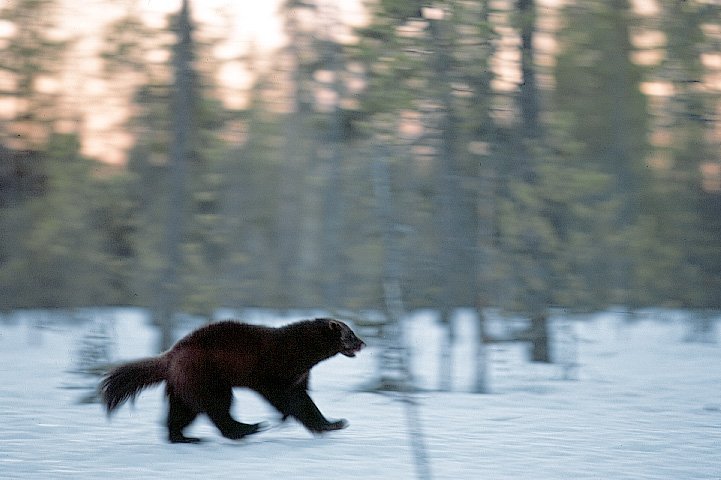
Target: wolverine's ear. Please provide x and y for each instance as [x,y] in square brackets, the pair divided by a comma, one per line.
[335,325]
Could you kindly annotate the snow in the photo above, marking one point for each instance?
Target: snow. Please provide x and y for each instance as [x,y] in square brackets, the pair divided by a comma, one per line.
[646,405]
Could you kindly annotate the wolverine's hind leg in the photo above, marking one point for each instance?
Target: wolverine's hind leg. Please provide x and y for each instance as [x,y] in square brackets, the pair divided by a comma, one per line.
[180,416]
[217,406]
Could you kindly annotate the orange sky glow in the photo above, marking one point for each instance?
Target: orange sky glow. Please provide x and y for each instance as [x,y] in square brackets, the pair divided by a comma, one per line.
[99,108]
[243,25]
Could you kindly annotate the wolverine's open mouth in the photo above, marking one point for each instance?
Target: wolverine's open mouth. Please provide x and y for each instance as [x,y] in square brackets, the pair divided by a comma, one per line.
[352,350]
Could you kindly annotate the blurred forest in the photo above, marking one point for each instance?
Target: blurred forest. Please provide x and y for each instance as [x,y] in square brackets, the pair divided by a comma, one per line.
[517,154]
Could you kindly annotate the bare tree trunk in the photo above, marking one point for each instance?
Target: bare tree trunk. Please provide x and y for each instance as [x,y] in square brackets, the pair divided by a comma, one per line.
[540,346]
[291,209]
[622,154]
[445,364]
[482,380]
[530,130]
[528,89]
[169,291]
[486,250]
[333,200]
[394,363]
[451,200]
[332,220]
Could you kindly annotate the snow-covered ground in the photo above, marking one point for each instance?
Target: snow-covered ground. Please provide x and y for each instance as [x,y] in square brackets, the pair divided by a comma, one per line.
[645,405]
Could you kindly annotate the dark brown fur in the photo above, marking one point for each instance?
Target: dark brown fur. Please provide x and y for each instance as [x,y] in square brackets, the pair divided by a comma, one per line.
[203,367]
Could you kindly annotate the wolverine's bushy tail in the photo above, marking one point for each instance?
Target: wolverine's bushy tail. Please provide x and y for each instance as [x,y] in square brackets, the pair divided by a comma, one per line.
[126,381]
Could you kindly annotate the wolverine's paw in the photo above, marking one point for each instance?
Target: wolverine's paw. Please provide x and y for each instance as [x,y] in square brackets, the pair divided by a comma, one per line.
[319,430]
[261,427]
[183,439]
[245,429]
[329,427]
[338,424]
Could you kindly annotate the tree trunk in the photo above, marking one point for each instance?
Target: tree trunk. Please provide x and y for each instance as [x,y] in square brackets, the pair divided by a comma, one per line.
[540,346]
[291,211]
[482,380]
[332,198]
[452,265]
[445,364]
[486,250]
[169,291]
[528,89]
[394,370]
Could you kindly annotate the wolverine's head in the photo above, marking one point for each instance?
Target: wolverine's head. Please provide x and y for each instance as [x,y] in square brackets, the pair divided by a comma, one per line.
[347,342]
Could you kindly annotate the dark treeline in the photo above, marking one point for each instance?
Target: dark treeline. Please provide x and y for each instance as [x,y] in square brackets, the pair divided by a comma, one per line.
[533,157]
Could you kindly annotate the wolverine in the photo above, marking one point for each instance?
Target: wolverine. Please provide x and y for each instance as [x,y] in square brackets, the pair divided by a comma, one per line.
[202,368]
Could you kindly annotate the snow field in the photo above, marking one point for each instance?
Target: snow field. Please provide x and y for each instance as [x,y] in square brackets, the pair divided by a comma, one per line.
[646,405]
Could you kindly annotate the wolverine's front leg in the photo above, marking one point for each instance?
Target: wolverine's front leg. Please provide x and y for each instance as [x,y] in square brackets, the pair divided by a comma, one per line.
[296,402]
[302,384]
